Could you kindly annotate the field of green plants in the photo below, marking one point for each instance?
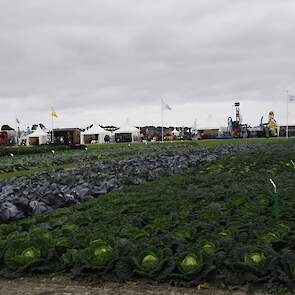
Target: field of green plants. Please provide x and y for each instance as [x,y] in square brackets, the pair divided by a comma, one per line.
[212,224]
[19,161]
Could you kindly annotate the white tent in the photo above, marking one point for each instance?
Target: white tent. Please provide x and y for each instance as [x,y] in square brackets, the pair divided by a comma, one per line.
[94,134]
[127,133]
[175,132]
[39,136]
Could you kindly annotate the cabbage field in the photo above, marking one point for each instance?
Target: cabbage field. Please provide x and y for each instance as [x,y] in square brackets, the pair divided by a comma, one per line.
[54,158]
[39,193]
[188,217]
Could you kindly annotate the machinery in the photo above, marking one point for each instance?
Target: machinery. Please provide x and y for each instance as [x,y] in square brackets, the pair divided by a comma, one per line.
[235,128]
[239,130]
[236,125]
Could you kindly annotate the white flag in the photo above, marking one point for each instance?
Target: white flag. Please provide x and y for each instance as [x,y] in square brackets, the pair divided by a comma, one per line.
[291,98]
[166,106]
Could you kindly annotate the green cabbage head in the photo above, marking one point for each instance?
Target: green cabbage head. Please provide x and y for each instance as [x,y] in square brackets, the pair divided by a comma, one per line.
[255,259]
[22,255]
[29,255]
[208,247]
[99,253]
[189,263]
[148,261]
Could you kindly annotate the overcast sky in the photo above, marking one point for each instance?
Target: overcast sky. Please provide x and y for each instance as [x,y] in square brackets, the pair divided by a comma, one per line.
[107,60]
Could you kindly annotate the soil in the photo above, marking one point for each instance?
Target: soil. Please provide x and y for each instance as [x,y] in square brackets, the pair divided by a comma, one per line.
[64,285]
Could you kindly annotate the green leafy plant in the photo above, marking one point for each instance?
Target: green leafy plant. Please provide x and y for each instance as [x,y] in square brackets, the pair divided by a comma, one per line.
[155,262]
[148,261]
[189,262]
[255,259]
[270,236]
[22,255]
[208,247]
[98,255]
[187,229]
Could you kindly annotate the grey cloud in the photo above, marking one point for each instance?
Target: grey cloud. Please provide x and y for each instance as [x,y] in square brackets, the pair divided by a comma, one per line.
[71,53]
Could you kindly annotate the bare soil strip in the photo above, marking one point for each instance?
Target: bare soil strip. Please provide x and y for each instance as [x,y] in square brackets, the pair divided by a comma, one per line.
[64,285]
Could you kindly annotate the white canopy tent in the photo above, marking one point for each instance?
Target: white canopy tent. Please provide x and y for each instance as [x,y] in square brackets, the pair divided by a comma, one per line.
[95,134]
[127,133]
[38,137]
[175,132]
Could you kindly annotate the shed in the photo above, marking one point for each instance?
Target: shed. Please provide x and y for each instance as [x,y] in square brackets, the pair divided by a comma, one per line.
[8,135]
[4,140]
[283,130]
[208,133]
[67,135]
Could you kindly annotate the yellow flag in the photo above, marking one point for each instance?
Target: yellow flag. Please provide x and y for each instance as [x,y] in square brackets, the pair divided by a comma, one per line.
[54,114]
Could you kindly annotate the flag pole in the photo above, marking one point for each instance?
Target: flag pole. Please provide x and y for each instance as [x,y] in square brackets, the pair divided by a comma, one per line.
[52,132]
[18,134]
[162,119]
[287,116]
[17,130]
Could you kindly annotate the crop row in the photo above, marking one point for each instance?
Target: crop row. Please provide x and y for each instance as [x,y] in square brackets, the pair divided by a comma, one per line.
[44,192]
[213,224]
[24,150]
[78,157]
